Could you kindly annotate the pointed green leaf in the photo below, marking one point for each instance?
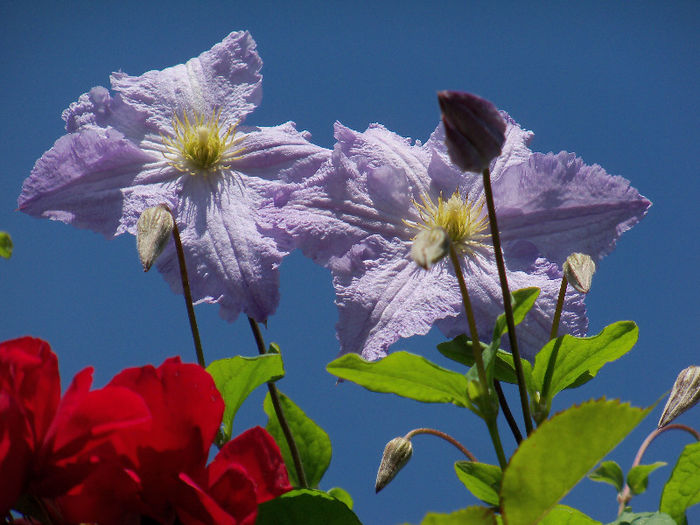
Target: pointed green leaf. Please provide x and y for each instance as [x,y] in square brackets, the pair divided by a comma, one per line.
[460,350]
[609,472]
[522,300]
[238,376]
[342,495]
[404,374]
[553,459]
[312,441]
[468,516]
[638,477]
[643,518]
[578,359]
[481,479]
[563,515]
[310,507]
[5,245]
[682,489]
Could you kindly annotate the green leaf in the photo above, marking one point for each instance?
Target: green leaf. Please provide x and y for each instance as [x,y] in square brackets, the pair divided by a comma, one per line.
[404,374]
[238,376]
[578,359]
[468,516]
[481,479]
[552,460]
[342,495]
[523,300]
[460,350]
[5,245]
[609,472]
[682,489]
[563,515]
[638,477]
[312,441]
[644,518]
[310,507]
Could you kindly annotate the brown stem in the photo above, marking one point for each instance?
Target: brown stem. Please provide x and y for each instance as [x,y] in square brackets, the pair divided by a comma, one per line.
[506,412]
[187,293]
[559,308]
[274,397]
[444,436]
[626,495]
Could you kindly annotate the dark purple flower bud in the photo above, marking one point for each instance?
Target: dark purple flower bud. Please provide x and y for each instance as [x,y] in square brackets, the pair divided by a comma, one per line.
[474,129]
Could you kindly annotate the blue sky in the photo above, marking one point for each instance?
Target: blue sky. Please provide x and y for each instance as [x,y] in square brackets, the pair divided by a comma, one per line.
[615,82]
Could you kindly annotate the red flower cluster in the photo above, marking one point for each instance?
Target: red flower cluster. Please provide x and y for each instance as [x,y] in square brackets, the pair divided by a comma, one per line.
[136,448]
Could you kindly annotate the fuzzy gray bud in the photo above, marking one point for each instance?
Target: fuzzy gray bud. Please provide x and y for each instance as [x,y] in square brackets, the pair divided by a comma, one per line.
[153,231]
[579,269]
[396,454]
[684,395]
[429,246]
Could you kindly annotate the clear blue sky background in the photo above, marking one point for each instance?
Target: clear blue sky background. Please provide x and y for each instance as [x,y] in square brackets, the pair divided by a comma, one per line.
[615,82]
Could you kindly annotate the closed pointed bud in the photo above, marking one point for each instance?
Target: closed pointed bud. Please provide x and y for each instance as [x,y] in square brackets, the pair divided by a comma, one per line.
[579,269]
[153,229]
[684,395]
[396,454]
[429,246]
[474,129]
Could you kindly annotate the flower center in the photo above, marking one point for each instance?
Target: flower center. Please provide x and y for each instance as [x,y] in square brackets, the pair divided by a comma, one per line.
[465,222]
[199,146]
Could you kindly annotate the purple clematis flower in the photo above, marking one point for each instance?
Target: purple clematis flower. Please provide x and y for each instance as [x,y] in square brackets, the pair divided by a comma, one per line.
[359,214]
[173,137]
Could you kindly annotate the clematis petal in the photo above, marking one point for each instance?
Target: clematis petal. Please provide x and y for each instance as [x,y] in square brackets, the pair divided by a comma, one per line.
[487,303]
[563,206]
[234,264]
[226,77]
[96,179]
[383,296]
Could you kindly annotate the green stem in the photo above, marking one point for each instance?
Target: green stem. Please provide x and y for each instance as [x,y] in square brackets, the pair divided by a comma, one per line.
[274,397]
[560,306]
[508,307]
[478,359]
[444,436]
[187,293]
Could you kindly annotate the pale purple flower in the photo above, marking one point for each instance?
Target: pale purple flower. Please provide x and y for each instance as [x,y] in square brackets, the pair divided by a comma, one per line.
[173,137]
[359,214]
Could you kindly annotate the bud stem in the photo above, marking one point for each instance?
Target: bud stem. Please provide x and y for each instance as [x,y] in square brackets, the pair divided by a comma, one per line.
[476,346]
[506,411]
[274,397]
[444,436]
[626,495]
[186,292]
[508,307]
[559,308]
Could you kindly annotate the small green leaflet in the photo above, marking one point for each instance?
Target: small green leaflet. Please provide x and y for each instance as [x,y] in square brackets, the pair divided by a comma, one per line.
[5,245]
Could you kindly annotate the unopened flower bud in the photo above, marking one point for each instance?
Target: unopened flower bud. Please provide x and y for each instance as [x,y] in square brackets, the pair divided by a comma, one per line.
[684,395]
[396,454]
[579,269]
[429,246]
[474,129]
[153,230]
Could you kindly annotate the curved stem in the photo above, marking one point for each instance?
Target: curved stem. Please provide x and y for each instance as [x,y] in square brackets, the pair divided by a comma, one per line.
[559,308]
[444,436]
[274,397]
[508,307]
[506,411]
[186,292]
[626,495]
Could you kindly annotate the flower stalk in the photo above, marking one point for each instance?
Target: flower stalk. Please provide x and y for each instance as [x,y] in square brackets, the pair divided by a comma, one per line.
[508,307]
[560,306]
[626,495]
[489,416]
[186,292]
[274,397]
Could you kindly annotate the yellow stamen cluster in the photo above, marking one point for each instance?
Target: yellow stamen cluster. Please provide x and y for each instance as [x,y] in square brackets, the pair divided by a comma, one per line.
[199,146]
[464,222]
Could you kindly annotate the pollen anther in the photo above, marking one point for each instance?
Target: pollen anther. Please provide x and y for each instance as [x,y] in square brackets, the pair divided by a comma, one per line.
[199,146]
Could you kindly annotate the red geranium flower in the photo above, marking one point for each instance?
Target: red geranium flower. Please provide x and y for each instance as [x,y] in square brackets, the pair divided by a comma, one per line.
[49,444]
[163,473]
